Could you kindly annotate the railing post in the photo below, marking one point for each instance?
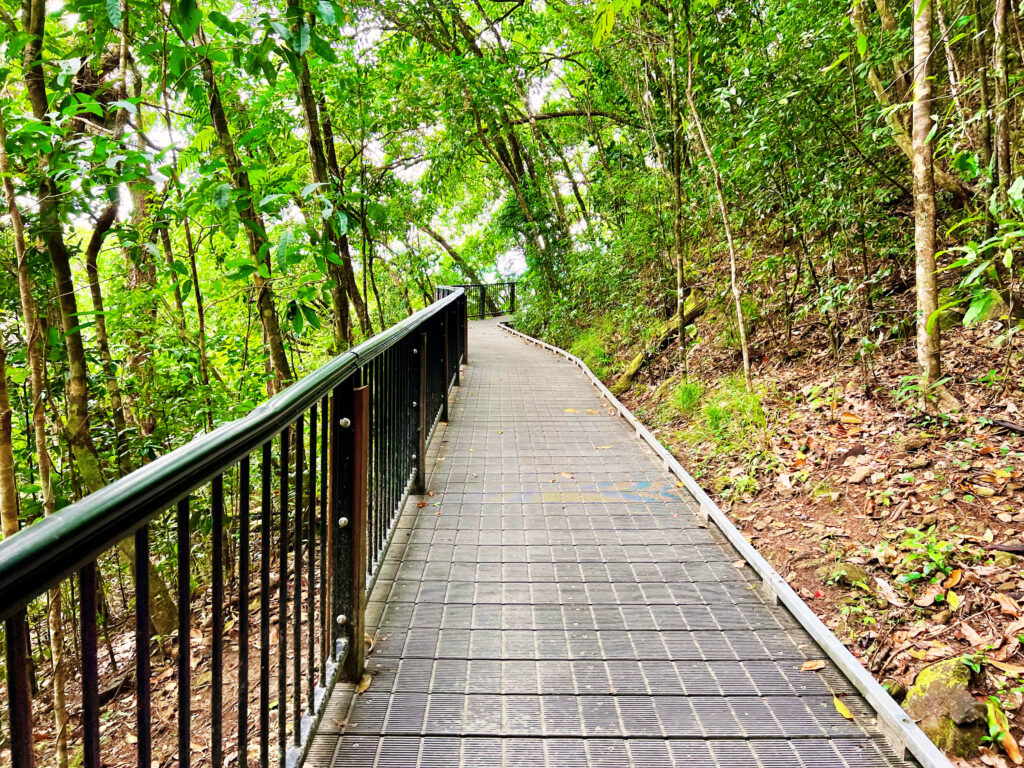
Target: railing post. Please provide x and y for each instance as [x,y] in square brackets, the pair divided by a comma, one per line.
[361,460]
[465,328]
[447,371]
[512,300]
[483,306]
[420,482]
[19,691]
[346,528]
[456,338]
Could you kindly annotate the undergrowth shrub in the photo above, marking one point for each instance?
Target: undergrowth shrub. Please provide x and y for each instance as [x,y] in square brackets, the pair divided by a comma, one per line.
[732,424]
[686,396]
[591,346]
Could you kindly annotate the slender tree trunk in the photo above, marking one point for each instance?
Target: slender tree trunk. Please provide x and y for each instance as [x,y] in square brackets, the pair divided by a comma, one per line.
[8,486]
[103,225]
[1002,120]
[34,343]
[677,189]
[240,181]
[723,207]
[928,325]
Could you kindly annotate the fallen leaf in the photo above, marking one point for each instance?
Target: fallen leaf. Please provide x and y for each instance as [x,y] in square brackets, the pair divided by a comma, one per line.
[364,683]
[971,635]
[1007,604]
[850,418]
[1010,669]
[953,599]
[891,595]
[842,709]
[739,563]
[421,504]
[812,666]
[999,729]
[928,598]
[953,580]
[570,410]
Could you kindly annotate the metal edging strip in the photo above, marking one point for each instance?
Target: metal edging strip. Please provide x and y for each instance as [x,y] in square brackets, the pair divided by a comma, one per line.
[896,725]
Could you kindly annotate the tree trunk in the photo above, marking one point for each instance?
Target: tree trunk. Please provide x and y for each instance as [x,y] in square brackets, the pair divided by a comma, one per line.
[928,325]
[8,485]
[92,250]
[677,189]
[1002,120]
[723,207]
[253,220]
[36,356]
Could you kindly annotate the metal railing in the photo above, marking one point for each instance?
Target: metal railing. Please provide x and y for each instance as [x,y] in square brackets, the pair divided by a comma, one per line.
[277,524]
[488,299]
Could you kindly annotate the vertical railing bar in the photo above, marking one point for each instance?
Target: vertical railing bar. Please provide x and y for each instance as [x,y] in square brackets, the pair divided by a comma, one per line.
[325,520]
[340,501]
[311,568]
[217,596]
[87,579]
[282,604]
[184,637]
[19,690]
[376,404]
[300,454]
[144,748]
[266,536]
[243,611]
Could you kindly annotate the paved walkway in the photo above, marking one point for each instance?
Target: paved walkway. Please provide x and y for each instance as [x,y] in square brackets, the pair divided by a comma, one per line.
[557,602]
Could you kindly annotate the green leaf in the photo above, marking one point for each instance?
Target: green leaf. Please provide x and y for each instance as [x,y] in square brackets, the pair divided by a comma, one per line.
[114,13]
[325,10]
[187,15]
[221,195]
[302,39]
[835,63]
[862,44]
[229,224]
[980,307]
[284,246]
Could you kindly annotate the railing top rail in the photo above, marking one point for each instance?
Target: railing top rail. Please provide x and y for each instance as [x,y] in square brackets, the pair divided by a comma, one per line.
[480,285]
[51,549]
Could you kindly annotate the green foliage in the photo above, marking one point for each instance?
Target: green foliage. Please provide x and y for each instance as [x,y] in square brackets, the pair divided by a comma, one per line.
[686,396]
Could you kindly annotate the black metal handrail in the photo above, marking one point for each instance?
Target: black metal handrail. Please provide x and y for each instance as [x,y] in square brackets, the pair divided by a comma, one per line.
[318,475]
[488,299]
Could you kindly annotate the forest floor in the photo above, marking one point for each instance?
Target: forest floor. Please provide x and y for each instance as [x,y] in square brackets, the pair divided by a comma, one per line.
[885,520]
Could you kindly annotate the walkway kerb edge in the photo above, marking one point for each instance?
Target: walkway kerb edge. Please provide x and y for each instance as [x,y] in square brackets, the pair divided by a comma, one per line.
[898,728]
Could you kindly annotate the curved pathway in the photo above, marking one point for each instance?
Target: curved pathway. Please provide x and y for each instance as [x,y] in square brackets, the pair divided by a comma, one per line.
[558,602]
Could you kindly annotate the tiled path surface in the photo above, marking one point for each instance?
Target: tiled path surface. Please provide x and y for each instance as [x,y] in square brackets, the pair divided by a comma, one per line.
[557,603]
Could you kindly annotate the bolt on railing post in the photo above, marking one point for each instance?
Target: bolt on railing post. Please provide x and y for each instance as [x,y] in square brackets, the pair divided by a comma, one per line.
[447,372]
[419,484]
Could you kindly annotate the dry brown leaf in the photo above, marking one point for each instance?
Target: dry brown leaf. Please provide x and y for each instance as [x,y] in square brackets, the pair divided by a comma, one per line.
[928,598]
[953,579]
[850,418]
[421,504]
[812,666]
[1010,669]
[739,563]
[971,635]
[1007,604]
[364,683]
[886,590]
